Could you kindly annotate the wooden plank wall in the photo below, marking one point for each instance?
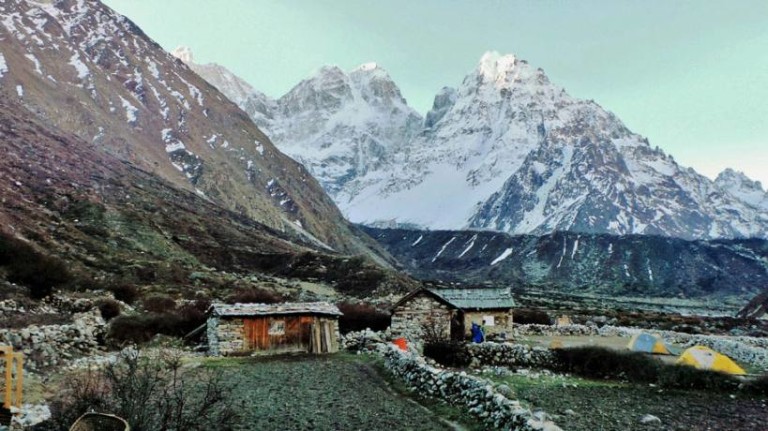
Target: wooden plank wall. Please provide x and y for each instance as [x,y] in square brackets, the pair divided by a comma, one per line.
[296,334]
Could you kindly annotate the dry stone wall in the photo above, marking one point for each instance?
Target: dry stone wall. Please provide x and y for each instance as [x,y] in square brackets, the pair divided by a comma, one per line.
[479,396]
[49,345]
[511,355]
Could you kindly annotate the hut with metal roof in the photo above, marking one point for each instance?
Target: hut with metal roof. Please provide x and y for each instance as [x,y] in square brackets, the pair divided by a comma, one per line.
[451,312]
[235,329]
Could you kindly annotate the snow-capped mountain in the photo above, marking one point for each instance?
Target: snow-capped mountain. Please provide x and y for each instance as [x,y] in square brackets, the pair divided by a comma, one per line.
[340,125]
[507,151]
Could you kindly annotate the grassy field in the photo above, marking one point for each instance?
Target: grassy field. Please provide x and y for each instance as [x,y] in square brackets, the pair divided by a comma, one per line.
[337,392]
[593,405]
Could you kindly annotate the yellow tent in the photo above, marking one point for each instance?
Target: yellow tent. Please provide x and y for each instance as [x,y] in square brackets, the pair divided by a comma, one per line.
[644,342]
[704,358]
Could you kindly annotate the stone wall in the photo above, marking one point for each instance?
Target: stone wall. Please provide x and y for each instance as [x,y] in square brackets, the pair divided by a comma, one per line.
[748,350]
[511,355]
[409,318]
[225,335]
[480,397]
[50,345]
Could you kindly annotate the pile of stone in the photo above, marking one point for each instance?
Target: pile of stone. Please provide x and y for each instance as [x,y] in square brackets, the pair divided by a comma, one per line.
[365,340]
[30,415]
[482,399]
[511,355]
[50,345]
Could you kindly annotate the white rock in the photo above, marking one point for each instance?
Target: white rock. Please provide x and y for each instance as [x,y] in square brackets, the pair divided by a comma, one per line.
[650,419]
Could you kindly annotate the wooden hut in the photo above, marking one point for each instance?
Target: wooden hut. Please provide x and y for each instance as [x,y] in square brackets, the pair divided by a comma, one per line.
[273,328]
[450,312]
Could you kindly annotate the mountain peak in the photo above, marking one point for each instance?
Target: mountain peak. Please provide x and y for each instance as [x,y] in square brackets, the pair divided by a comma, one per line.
[730,176]
[739,185]
[504,71]
[184,53]
[367,67]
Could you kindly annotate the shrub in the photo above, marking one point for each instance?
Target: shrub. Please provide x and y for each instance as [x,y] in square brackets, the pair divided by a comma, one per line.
[125,292]
[527,316]
[109,309]
[358,317]
[140,328]
[26,266]
[150,394]
[687,377]
[758,386]
[448,353]
[255,295]
[158,304]
[599,362]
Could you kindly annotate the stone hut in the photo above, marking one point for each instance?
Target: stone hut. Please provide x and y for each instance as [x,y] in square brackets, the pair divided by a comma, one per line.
[450,312]
[273,328]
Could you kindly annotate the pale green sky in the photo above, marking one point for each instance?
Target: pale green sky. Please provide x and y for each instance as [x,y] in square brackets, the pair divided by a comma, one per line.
[690,75]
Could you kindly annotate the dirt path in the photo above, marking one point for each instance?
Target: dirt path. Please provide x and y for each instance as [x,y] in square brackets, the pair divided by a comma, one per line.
[320,393]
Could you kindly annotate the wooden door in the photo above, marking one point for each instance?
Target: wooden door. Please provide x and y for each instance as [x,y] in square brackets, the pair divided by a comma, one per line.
[256,332]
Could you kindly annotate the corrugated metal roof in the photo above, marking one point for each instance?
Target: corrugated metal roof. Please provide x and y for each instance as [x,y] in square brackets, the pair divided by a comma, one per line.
[275,309]
[478,298]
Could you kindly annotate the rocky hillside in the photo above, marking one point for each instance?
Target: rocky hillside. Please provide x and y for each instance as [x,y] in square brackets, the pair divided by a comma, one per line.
[632,265]
[84,69]
[507,151]
[86,219]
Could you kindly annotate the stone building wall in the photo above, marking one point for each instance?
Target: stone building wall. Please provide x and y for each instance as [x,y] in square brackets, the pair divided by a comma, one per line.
[502,321]
[225,335]
[409,318]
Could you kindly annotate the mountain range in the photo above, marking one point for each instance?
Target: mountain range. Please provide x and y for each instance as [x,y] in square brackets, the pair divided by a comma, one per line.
[507,151]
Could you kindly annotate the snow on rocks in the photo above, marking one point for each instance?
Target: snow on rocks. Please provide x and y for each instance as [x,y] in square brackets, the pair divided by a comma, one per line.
[3,65]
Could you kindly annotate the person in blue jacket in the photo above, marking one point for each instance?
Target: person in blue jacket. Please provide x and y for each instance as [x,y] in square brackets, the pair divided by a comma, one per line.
[477,333]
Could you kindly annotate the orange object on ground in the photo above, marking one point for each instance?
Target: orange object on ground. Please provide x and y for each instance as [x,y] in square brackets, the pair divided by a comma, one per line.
[402,343]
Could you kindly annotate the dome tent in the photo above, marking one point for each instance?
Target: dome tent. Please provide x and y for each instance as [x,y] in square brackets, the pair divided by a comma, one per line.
[645,342]
[704,358]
